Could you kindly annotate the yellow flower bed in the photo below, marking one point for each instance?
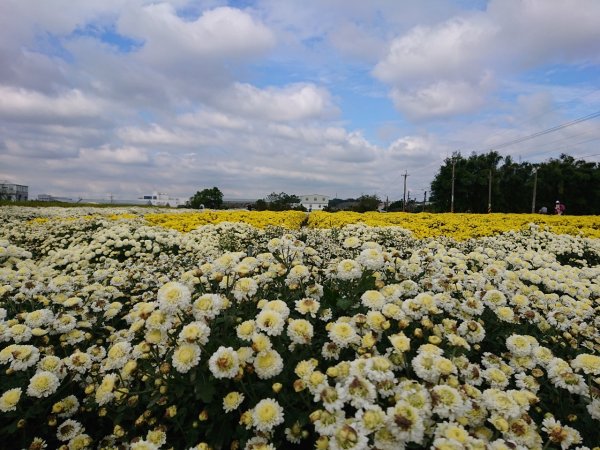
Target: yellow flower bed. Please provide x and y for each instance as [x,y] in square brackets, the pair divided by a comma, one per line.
[188,221]
[460,226]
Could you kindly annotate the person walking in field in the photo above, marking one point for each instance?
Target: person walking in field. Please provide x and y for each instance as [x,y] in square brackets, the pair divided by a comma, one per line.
[559,208]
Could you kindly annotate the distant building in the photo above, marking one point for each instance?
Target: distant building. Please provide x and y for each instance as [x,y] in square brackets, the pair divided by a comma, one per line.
[314,202]
[13,192]
[162,199]
[52,198]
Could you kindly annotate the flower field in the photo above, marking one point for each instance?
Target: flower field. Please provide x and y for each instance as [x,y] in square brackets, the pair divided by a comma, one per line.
[136,329]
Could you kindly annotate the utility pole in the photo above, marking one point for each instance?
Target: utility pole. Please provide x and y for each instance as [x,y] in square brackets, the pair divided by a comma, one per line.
[490,193]
[404,197]
[424,200]
[452,197]
[534,190]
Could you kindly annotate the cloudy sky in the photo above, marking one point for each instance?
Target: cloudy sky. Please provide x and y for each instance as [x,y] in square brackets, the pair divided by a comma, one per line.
[336,97]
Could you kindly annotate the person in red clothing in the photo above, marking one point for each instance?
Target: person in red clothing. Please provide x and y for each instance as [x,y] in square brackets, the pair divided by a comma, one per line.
[559,208]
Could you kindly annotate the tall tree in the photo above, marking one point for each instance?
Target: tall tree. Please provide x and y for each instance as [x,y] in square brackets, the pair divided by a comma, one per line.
[282,201]
[575,183]
[207,198]
[367,203]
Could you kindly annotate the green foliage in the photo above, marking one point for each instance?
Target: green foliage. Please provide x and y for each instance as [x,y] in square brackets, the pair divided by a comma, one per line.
[207,198]
[279,202]
[576,183]
[367,203]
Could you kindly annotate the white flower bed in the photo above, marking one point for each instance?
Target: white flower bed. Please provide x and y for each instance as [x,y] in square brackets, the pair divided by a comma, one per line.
[114,334]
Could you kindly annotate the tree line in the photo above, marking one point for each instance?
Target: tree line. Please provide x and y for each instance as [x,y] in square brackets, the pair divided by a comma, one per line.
[575,183]
[480,180]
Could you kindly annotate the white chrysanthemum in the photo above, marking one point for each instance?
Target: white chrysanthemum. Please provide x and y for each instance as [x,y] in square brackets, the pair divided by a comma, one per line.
[594,408]
[173,297]
[267,414]
[39,318]
[224,363]
[185,357]
[472,306]
[348,269]
[258,443]
[78,362]
[560,434]
[64,323]
[351,242]
[279,306]
[207,306]
[343,334]
[69,406]
[494,298]
[297,274]
[348,437]
[226,262]
[143,444]
[408,288]
[447,402]
[501,402]
[373,300]
[330,397]
[20,357]
[300,331]
[405,422]
[268,364]
[42,384]
[330,350]
[587,363]
[246,330]
[472,331]
[244,289]
[359,391]
[105,392]
[270,322]
[520,345]
[425,367]
[117,356]
[232,401]
[495,377]
[68,430]
[195,332]
[371,258]
[307,306]
[10,399]
[51,363]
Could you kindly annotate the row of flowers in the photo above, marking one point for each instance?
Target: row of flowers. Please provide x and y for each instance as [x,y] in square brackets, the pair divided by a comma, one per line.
[421,225]
[116,334]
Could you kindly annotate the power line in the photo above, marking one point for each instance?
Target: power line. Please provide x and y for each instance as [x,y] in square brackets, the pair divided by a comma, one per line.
[547,131]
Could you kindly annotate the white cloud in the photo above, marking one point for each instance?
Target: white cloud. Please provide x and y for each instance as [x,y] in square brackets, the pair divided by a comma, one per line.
[218,34]
[23,104]
[289,103]
[450,51]
[442,98]
[106,155]
[444,69]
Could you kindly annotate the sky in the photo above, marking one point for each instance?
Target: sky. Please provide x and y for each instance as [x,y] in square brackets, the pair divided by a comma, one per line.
[343,98]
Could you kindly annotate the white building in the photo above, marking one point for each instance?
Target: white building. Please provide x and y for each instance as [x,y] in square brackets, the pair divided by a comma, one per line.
[162,199]
[52,198]
[314,202]
[13,192]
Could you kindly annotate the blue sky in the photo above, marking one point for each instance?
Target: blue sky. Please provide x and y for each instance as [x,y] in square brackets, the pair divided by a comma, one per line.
[106,97]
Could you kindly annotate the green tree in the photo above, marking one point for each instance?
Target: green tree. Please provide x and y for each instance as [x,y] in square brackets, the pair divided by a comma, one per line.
[576,183]
[282,201]
[260,205]
[367,203]
[208,198]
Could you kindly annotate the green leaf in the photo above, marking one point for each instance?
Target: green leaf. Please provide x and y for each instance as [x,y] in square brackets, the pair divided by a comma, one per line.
[344,303]
[205,392]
